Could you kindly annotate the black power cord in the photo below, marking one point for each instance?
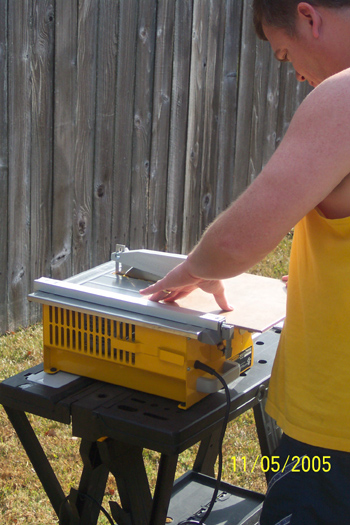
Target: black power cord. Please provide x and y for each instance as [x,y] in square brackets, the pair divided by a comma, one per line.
[211,371]
[82,495]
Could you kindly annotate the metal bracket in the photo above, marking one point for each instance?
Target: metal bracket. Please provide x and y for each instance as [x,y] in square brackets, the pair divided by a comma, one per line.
[227,331]
[212,337]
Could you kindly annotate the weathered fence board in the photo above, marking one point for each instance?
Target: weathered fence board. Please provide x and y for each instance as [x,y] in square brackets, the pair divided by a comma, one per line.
[178,125]
[264,106]
[3,166]
[42,64]
[195,125]
[145,56]
[157,201]
[212,94]
[19,133]
[228,109]
[126,121]
[245,101]
[64,136]
[85,133]
[104,143]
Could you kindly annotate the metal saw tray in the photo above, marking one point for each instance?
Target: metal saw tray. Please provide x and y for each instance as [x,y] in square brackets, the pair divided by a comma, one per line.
[233,506]
[259,302]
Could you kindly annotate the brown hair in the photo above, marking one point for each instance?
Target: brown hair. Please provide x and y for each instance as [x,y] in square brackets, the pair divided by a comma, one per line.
[282,13]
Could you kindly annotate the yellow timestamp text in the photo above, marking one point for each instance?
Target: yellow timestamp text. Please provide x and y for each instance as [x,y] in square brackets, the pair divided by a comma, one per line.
[275,464]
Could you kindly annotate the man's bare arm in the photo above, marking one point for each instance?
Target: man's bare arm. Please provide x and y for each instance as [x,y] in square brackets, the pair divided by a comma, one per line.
[311,161]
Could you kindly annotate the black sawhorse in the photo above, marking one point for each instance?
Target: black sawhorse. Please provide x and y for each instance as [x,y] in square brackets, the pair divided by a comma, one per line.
[115,424]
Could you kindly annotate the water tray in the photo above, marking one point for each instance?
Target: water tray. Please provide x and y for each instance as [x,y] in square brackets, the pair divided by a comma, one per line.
[192,494]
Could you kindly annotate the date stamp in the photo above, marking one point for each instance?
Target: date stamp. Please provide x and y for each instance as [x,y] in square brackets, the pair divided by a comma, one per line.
[274,464]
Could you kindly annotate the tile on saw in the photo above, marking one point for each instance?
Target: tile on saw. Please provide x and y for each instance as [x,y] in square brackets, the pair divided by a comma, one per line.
[259,302]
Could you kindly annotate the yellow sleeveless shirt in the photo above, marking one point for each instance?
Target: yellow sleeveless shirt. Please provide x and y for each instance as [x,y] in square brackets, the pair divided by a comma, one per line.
[309,393]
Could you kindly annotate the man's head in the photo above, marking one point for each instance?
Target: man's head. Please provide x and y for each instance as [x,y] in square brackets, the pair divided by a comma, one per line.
[282,13]
[314,36]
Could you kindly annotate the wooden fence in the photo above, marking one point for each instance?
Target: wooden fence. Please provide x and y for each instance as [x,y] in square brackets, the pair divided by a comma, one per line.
[125,121]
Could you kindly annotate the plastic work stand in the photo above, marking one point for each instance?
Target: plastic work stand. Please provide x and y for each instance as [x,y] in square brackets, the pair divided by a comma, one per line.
[115,424]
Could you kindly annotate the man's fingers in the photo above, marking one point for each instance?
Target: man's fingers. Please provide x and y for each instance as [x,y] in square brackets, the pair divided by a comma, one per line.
[175,296]
[179,283]
[159,296]
[152,289]
[222,302]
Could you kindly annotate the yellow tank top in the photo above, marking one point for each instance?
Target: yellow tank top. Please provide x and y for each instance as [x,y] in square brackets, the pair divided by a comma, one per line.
[309,393]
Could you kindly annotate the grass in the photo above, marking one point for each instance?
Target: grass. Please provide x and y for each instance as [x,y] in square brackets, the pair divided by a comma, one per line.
[22,499]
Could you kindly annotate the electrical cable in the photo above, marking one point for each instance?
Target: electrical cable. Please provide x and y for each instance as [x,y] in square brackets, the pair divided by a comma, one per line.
[86,496]
[82,495]
[211,371]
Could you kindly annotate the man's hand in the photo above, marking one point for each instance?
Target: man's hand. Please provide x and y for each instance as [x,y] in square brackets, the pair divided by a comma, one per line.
[179,283]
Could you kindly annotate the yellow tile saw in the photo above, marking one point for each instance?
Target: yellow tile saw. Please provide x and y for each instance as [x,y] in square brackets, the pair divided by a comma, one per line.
[97,324]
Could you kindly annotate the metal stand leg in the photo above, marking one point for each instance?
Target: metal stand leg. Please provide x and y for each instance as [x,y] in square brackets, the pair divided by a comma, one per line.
[126,464]
[269,433]
[207,454]
[164,486]
[88,499]
[39,460]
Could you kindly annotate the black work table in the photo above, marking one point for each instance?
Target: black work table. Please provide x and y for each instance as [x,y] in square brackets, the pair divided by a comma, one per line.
[117,423]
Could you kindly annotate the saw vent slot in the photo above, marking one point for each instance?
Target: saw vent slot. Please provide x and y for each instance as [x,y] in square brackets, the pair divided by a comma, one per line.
[91,335]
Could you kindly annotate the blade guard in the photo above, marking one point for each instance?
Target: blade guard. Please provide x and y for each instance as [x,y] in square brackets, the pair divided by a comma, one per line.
[148,262]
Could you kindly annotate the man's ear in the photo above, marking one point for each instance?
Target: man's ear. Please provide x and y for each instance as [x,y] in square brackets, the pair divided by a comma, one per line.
[308,13]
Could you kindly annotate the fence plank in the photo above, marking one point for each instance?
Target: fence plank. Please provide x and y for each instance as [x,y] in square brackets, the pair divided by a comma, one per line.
[142,123]
[292,93]
[124,121]
[19,16]
[212,96]
[85,134]
[272,107]
[4,171]
[264,106]
[161,124]
[245,98]
[41,155]
[192,204]
[64,136]
[105,116]
[229,103]
[178,125]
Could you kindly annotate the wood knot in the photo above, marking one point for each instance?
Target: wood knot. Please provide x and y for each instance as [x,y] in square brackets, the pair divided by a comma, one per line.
[82,227]
[100,191]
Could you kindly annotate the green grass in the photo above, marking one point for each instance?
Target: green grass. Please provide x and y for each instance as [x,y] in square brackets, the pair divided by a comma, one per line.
[22,499]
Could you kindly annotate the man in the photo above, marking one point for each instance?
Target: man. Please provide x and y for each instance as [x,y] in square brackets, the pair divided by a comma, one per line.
[305,184]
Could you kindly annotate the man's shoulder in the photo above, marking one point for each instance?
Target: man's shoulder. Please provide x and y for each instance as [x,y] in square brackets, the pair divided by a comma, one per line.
[334,85]
[328,103]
